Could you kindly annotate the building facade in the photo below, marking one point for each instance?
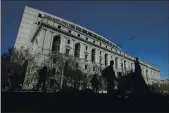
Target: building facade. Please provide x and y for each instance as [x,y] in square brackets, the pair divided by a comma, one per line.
[45,33]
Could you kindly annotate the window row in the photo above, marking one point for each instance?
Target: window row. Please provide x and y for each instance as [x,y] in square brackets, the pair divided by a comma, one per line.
[111,48]
[56,48]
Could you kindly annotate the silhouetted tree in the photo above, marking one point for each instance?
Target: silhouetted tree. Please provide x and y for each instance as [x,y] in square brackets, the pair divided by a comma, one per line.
[15,61]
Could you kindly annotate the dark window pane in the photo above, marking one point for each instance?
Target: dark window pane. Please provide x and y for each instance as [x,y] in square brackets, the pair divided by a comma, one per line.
[40,15]
[59,26]
[67,52]
[93,55]
[86,47]
[69,31]
[68,41]
[85,66]
[93,68]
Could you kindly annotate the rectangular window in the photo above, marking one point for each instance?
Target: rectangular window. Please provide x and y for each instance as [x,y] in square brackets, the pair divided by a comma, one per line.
[68,41]
[59,26]
[78,35]
[93,68]
[100,61]
[100,52]
[93,41]
[85,66]
[86,38]
[40,15]
[86,47]
[67,52]
[69,31]
[86,57]
[54,60]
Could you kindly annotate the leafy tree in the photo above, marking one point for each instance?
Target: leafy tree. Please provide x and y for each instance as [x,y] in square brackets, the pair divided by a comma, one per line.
[18,62]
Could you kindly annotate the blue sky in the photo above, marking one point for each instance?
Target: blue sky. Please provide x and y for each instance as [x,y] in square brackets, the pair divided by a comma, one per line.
[116,21]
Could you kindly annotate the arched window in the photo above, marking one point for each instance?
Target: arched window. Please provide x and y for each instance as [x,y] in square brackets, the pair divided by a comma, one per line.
[77,50]
[116,62]
[93,55]
[106,60]
[56,44]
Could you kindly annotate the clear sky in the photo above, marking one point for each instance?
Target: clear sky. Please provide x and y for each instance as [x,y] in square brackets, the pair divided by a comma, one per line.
[116,21]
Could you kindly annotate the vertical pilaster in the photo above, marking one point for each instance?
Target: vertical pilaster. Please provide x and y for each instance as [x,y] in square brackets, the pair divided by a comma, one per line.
[62,44]
[73,48]
[51,40]
[47,42]
[97,56]
[82,48]
[108,59]
[90,53]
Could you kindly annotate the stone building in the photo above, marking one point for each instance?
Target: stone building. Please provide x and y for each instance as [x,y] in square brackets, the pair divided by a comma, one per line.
[45,33]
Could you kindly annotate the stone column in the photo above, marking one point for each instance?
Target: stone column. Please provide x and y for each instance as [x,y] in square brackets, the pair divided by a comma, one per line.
[97,56]
[47,42]
[73,47]
[90,53]
[82,49]
[41,38]
[108,59]
[62,44]
[51,40]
